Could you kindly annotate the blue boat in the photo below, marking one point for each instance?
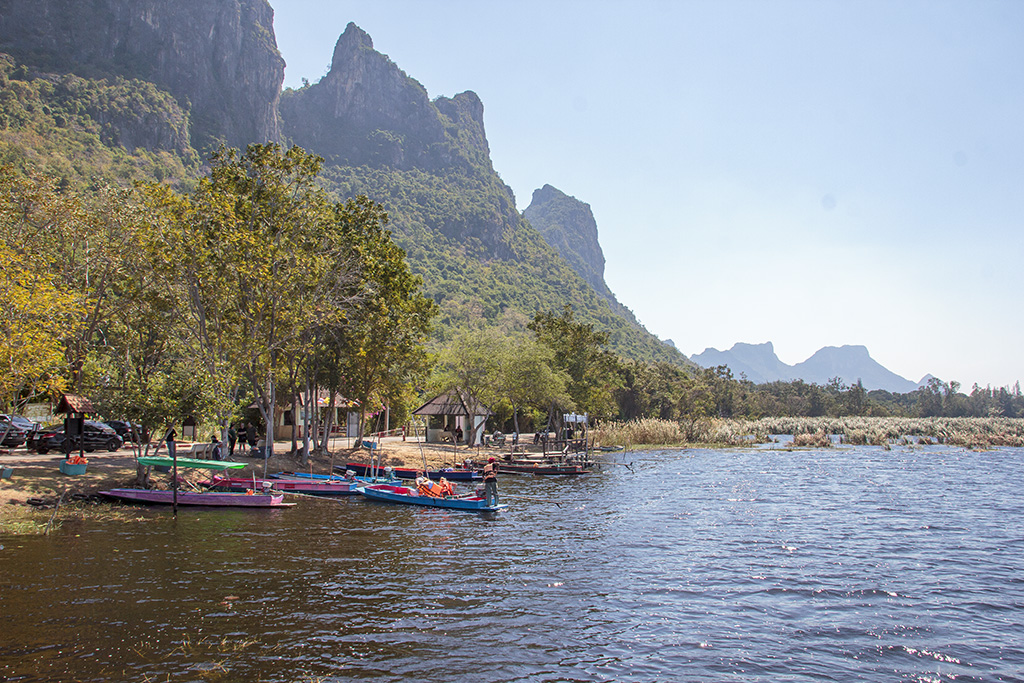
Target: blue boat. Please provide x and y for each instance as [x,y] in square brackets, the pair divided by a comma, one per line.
[403,494]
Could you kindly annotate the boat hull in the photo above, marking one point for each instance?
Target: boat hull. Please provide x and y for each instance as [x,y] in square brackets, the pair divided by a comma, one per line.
[333,477]
[514,468]
[186,463]
[205,499]
[311,487]
[407,496]
[411,473]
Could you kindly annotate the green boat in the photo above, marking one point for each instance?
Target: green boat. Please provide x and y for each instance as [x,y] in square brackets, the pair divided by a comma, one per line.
[192,462]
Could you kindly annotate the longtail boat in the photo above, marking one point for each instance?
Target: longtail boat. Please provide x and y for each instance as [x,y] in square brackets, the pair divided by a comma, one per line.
[333,477]
[314,487]
[186,463]
[411,472]
[409,496]
[205,498]
[541,468]
[250,499]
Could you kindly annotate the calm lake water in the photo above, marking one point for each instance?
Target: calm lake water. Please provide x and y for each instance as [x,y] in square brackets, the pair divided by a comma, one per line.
[730,565]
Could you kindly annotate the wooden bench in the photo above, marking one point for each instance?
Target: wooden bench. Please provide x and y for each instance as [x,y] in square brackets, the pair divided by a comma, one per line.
[201,451]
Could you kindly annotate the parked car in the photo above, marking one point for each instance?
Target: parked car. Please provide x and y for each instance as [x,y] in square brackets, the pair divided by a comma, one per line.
[96,436]
[12,435]
[27,426]
[127,430]
[22,422]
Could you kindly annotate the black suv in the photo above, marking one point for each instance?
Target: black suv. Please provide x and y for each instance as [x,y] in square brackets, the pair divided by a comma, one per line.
[126,430]
[96,436]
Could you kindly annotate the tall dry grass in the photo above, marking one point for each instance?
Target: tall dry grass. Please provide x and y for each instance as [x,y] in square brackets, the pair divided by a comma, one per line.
[653,432]
[969,432]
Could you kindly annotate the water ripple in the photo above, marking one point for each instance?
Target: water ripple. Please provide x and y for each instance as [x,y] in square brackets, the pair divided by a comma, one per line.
[752,565]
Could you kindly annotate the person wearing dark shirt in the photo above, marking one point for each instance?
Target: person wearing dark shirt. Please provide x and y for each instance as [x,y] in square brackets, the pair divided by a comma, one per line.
[169,440]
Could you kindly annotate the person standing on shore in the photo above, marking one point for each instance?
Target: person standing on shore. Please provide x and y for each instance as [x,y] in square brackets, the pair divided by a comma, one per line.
[171,445]
[491,481]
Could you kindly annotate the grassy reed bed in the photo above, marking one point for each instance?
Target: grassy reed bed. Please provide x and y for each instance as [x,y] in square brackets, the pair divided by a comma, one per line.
[969,432]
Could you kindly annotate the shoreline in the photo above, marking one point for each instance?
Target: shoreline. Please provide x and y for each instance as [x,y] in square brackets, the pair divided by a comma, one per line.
[38,496]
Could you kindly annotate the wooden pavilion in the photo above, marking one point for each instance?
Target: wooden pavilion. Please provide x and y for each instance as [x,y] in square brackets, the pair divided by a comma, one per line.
[452,410]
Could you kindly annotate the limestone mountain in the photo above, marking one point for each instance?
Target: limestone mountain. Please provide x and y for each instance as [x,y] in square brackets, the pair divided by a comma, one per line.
[367,111]
[218,58]
[850,364]
[138,89]
[757,362]
[80,130]
[427,161]
[568,225]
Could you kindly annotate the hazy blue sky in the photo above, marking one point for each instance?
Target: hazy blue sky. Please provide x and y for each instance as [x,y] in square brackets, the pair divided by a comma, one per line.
[808,173]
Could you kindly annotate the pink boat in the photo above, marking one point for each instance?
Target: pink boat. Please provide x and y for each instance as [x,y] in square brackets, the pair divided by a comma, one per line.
[206,498]
[314,487]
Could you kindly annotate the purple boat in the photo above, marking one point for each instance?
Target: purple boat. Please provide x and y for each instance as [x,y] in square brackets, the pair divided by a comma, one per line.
[206,498]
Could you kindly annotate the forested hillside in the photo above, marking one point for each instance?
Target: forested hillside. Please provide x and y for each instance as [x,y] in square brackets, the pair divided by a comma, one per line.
[79,129]
[428,163]
[126,95]
[87,108]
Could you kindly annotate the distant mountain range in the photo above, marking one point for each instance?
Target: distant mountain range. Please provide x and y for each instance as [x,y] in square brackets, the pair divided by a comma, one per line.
[759,364]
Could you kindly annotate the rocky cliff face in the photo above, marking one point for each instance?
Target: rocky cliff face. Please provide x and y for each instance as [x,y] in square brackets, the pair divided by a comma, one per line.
[427,162]
[219,57]
[569,226]
[367,111]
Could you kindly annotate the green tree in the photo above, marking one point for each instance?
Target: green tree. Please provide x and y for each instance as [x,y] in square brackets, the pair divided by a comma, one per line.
[32,360]
[39,312]
[526,377]
[381,341]
[260,261]
[579,352]
[471,363]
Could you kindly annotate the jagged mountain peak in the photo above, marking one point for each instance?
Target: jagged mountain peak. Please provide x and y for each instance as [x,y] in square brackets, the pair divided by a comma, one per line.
[427,162]
[844,351]
[756,362]
[569,226]
[352,40]
[366,111]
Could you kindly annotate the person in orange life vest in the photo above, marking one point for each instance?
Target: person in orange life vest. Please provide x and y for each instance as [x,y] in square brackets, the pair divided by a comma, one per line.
[491,481]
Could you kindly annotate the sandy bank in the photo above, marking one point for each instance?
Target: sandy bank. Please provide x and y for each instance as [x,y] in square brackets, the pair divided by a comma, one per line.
[37,484]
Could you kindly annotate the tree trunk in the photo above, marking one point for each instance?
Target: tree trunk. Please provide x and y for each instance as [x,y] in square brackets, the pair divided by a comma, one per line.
[309,417]
[328,426]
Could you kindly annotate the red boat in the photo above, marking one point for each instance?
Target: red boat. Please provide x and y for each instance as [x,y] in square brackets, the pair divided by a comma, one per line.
[411,473]
[314,487]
